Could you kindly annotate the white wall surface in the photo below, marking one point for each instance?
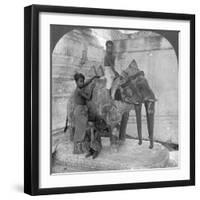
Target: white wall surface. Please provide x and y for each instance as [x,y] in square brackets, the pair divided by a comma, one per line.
[11,101]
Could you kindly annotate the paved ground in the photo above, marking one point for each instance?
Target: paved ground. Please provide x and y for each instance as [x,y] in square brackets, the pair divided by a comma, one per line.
[128,156]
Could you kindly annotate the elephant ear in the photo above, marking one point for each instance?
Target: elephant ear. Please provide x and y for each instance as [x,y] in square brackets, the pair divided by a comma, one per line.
[130,94]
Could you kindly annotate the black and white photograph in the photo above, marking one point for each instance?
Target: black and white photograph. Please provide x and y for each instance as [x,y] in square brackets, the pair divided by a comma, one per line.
[109,98]
[99,100]
[114,99]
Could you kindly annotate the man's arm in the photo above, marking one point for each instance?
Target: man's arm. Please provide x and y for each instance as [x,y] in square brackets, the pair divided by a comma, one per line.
[89,81]
[86,95]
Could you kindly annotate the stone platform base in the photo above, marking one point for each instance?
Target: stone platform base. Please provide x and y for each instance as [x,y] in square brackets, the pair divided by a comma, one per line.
[130,155]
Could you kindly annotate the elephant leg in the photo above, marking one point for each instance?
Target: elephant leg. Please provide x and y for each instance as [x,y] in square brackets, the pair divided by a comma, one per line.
[150,110]
[123,125]
[138,108]
[112,139]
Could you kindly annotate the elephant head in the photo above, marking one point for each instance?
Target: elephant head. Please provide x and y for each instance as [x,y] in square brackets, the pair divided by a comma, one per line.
[130,71]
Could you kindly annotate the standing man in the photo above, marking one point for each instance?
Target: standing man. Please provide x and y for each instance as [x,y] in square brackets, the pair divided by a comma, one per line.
[109,59]
[110,74]
[109,64]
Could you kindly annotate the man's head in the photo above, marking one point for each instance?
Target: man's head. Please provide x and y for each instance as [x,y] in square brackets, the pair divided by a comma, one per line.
[79,78]
[109,46]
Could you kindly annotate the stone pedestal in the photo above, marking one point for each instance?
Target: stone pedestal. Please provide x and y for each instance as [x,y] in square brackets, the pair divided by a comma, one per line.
[129,156]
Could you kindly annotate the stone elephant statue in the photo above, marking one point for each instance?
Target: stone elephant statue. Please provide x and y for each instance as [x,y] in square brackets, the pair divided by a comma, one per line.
[132,87]
[129,91]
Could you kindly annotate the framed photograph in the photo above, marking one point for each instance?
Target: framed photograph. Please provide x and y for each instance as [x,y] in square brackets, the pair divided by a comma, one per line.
[109,99]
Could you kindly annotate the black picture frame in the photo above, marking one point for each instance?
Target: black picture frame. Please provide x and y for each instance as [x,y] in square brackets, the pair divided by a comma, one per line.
[31,98]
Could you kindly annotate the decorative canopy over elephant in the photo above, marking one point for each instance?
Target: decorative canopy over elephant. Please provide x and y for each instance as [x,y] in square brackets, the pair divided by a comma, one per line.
[129,91]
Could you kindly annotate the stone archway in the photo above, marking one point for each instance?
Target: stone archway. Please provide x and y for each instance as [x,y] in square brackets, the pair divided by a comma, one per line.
[57,32]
